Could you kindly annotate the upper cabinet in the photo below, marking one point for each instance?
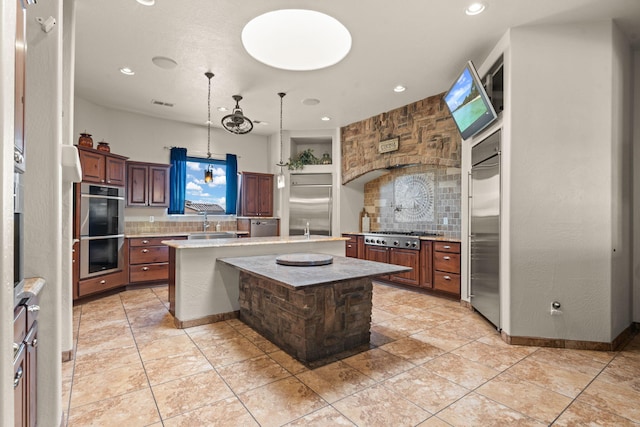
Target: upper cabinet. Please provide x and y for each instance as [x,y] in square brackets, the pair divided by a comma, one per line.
[101,167]
[147,184]
[256,194]
[20,65]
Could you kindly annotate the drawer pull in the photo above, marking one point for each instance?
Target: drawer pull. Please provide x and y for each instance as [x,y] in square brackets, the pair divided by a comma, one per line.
[446,258]
[349,246]
[102,282]
[145,242]
[144,251]
[447,247]
[16,379]
[16,347]
[145,268]
[33,308]
[34,343]
[446,277]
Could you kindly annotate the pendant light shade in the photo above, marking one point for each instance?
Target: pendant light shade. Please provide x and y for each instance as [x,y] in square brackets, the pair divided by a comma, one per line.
[208,173]
[237,122]
[280,178]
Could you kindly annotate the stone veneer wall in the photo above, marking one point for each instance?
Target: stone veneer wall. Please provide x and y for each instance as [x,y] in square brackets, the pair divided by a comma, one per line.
[427,135]
[382,202]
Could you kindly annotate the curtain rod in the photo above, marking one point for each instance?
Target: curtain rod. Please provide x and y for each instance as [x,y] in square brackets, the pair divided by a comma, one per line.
[202,153]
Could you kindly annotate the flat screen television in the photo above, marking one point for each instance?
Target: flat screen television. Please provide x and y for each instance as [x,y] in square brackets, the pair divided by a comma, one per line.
[469,103]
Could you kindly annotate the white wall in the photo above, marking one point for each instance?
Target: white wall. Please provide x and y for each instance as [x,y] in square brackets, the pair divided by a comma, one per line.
[636,187]
[564,189]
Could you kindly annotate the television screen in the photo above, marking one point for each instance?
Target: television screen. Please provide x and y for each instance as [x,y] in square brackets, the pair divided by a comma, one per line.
[469,104]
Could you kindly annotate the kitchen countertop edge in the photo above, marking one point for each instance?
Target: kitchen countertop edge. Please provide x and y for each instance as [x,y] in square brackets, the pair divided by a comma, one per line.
[432,238]
[250,241]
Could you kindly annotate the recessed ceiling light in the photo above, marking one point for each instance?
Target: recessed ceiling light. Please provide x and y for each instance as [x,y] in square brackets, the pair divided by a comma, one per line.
[260,122]
[311,101]
[475,8]
[399,88]
[127,71]
[296,39]
[325,118]
[223,109]
[164,62]
[147,2]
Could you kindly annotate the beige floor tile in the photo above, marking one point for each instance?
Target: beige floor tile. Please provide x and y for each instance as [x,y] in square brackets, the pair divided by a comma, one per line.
[442,337]
[157,332]
[403,326]
[67,369]
[210,335]
[624,371]
[379,406]
[434,422]
[476,410]
[141,318]
[536,402]
[379,315]
[296,400]
[231,351]
[171,368]
[498,358]
[188,393]
[97,326]
[378,364]
[224,413]
[335,381]
[428,318]
[580,414]
[105,339]
[287,362]
[431,392]
[171,346]
[617,398]
[95,363]
[471,326]
[587,362]
[259,341]
[412,350]
[66,395]
[106,384]
[402,310]
[324,417]
[252,373]
[460,371]
[133,409]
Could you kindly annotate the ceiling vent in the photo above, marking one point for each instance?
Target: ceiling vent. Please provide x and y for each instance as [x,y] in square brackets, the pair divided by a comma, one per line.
[164,104]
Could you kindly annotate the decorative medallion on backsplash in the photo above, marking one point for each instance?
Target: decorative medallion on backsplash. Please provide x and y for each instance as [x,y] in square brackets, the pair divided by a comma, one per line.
[414,198]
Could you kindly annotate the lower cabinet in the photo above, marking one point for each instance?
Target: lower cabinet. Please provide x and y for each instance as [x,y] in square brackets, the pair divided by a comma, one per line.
[406,258]
[25,362]
[149,259]
[446,267]
[101,283]
[354,247]
[426,264]
[378,254]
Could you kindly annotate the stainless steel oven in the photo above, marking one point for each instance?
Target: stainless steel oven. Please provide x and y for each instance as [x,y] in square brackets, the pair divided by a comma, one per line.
[18,235]
[101,229]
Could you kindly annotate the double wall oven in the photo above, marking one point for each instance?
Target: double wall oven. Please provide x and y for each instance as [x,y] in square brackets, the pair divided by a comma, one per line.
[101,229]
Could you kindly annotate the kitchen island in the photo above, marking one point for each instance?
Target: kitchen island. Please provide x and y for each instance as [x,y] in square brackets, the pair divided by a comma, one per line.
[203,290]
[312,311]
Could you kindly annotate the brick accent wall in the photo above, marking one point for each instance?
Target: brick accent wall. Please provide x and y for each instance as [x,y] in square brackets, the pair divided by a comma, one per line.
[427,135]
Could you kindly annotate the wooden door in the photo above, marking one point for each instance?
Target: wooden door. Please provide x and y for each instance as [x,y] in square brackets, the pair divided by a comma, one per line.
[159,186]
[93,168]
[406,258]
[378,254]
[250,191]
[426,264]
[265,195]
[115,172]
[137,186]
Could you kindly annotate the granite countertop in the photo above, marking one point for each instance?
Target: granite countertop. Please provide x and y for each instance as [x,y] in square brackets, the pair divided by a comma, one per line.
[434,238]
[181,234]
[342,268]
[250,241]
[32,287]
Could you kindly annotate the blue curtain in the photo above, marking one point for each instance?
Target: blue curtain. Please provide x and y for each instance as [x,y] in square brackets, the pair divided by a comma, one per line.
[232,184]
[177,180]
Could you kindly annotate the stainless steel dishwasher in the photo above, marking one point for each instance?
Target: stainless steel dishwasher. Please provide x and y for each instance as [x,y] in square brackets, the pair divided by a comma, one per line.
[264,227]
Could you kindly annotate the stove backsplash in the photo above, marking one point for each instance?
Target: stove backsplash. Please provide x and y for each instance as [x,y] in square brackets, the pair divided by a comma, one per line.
[416,198]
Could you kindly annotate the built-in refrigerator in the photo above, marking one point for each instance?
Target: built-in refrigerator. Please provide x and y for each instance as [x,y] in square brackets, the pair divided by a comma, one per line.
[484,228]
[310,202]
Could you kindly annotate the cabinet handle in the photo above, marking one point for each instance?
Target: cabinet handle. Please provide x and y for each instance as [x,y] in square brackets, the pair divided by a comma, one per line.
[144,251]
[102,282]
[145,268]
[349,246]
[446,258]
[144,242]
[16,379]
[33,308]
[447,277]
[447,247]
[16,347]
[34,343]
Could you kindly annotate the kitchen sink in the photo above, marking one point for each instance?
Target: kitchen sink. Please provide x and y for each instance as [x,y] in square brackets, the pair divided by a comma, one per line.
[212,235]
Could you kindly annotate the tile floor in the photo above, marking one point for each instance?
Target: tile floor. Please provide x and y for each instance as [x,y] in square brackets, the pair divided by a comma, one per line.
[430,363]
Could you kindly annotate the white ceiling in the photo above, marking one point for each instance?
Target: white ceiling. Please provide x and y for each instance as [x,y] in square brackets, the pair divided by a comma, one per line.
[421,44]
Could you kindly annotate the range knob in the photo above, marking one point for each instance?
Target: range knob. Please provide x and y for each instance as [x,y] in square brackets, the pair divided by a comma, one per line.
[396,243]
[407,244]
[384,242]
[366,240]
[414,245]
[378,241]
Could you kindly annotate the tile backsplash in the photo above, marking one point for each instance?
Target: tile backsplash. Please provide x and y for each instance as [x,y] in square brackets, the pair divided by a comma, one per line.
[416,198]
[177,224]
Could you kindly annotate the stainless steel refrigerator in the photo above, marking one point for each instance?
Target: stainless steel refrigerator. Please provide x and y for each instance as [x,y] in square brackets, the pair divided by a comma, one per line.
[484,230]
[310,201]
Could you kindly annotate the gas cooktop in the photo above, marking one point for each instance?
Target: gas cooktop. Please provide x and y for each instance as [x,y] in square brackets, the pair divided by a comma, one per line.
[407,233]
[397,239]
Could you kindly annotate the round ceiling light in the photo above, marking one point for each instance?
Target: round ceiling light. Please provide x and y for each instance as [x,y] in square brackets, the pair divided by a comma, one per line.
[310,101]
[296,39]
[147,2]
[164,62]
[399,89]
[475,8]
[127,71]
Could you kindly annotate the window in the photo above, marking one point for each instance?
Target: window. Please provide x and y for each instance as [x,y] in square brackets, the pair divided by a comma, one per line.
[201,196]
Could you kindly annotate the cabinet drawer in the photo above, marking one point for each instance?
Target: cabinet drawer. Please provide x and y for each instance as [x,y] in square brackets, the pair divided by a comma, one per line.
[351,249]
[150,254]
[446,261]
[149,272]
[446,247]
[446,282]
[100,283]
[149,241]
[33,309]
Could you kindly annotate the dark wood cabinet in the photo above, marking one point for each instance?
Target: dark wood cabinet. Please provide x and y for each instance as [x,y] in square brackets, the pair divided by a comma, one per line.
[406,258]
[149,259]
[426,264]
[25,362]
[446,267]
[102,168]
[102,283]
[256,194]
[378,254]
[147,184]
[352,248]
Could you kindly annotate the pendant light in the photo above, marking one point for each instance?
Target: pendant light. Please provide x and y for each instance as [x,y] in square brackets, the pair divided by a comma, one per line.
[280,177]
[208,173]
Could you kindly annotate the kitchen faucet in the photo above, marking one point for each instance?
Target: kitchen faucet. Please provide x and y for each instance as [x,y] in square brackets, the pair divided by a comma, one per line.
[205,224]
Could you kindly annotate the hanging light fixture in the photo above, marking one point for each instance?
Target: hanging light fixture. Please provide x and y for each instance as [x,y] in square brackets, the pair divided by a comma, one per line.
[237,122]
[208,173]
[280,178]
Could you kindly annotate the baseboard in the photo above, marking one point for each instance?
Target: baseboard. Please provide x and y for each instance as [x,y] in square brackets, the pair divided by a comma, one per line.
[182,324]
[67,356]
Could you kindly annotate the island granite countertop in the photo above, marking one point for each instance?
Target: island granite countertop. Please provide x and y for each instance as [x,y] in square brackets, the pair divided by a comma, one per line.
[342,268]
[250,241]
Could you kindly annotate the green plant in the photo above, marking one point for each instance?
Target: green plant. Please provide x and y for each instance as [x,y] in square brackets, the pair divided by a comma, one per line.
[305,157]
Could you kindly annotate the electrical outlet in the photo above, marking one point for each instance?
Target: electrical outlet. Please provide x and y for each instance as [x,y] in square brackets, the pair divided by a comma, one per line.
[151,218]
[445,221]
